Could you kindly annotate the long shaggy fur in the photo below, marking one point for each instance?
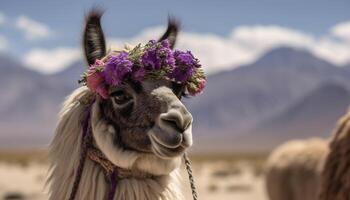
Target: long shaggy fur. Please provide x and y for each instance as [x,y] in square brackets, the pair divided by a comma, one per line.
[293,170]
[336,174]
[65,153]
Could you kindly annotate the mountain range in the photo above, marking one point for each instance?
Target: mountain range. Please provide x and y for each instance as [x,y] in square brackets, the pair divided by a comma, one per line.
[286,94]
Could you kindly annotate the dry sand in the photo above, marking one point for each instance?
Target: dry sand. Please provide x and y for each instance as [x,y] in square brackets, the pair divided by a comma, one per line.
[223,180]
[27,181]
[216,180]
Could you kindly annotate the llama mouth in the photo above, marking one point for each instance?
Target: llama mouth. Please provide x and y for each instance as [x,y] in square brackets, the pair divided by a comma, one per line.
[164,151]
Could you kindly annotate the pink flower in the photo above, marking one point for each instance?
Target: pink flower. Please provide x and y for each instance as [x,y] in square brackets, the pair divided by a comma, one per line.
[194,91]
[96,83]
[202,84]
[98,63]
[102,91]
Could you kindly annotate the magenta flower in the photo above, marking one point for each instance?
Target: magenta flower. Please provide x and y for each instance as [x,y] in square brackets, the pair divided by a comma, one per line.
[117,69]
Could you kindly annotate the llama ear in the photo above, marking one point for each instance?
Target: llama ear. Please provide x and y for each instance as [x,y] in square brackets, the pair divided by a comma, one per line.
[171,32]
[93,38]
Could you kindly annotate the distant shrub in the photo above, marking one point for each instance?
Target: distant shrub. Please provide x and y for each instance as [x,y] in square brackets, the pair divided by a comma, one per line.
[240,188]
[13,196]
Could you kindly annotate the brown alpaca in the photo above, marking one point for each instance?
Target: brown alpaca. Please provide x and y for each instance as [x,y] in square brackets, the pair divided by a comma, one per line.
[335,180]
[142,128]
[293,169]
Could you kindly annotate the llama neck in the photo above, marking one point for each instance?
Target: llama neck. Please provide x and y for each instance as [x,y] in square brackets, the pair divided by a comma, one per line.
[164,187]
[93,185]
[145,181]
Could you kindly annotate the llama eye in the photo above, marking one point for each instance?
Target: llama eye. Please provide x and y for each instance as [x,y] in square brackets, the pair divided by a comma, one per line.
[178,90]
[120,97]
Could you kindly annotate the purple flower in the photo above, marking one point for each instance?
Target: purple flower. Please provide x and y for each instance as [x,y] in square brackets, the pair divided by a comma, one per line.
[117,69]
[186,59]
[165,43]
[181,73]
[149,59]
[138,73]
[155,59]
[158,55]
[185,66]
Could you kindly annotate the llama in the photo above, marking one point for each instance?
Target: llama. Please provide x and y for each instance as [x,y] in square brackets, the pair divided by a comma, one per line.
[141,128]
[293,170]
[335,177]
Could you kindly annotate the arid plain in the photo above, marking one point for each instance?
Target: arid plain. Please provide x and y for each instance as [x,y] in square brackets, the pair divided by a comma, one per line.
[231,176]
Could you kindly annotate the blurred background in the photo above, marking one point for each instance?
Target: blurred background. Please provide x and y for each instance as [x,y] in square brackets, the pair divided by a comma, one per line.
[277,70]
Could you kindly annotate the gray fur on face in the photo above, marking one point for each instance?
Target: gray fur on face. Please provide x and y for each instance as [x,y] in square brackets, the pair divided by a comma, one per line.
[155,120]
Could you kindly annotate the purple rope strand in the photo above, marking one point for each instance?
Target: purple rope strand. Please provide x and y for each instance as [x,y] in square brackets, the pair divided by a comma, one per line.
[113,186]
[86,129]
[86,139]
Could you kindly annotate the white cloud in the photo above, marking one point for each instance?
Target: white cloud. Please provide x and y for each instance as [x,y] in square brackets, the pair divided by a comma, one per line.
[211,49]
[336,52]
[263,37]
[2,18]
[257,40]
[342,31]
[245,44]
[3,40]
[51,61]
[33,30]
[3,43]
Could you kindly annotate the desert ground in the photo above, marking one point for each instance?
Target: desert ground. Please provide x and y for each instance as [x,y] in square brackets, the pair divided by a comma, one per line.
[231,176]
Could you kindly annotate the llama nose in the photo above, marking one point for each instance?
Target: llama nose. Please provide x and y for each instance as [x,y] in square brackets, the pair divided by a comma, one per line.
[177,118]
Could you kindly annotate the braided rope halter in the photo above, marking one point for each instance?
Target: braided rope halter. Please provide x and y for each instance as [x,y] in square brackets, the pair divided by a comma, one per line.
[111,171]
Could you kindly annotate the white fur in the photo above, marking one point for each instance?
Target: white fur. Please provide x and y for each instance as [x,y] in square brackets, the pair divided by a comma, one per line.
[65,153]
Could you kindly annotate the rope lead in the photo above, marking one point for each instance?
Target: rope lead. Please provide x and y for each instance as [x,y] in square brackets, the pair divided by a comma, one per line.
[190,176]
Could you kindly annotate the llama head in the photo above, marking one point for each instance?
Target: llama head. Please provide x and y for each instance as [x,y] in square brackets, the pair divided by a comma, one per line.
[146,117]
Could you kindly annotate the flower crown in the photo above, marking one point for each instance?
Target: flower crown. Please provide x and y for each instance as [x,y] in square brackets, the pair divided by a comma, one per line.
[155,60]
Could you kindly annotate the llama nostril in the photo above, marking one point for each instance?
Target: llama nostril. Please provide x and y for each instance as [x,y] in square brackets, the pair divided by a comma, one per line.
[173,124]
[175,120]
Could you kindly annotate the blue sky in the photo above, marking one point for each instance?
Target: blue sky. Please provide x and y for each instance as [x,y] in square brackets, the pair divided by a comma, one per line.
[59,25]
